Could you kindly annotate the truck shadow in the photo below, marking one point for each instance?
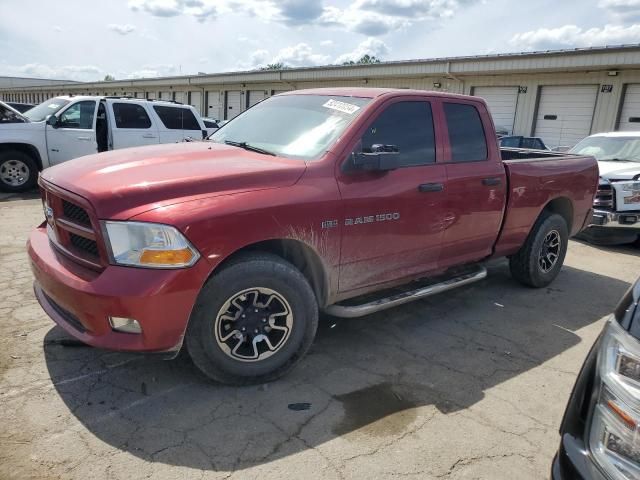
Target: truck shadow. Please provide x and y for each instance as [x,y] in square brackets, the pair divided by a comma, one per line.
[362,378]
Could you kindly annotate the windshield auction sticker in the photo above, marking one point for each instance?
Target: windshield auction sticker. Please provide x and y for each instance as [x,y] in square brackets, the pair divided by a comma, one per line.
[341,106]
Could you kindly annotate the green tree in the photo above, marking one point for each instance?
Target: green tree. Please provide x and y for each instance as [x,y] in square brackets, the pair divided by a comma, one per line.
[109,78]
[365,59]
[275,66]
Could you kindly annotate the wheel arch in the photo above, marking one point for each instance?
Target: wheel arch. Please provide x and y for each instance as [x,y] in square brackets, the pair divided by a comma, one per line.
[300,254]
[25,148]
[562,206]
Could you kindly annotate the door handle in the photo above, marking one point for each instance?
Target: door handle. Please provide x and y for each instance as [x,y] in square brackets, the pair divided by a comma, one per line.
[430,187]
[148,135]
[84,138]
[491,181]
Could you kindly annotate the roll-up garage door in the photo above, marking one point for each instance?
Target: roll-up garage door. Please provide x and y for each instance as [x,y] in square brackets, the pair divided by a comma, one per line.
[630,113]
[196,101]
[166,96]
[565,114]
[502,102]
[234,104]
[180,97]
[214,104]
[255,96]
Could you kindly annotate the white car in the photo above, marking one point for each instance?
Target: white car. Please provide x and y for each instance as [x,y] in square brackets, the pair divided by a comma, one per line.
[616,217]
[68,127]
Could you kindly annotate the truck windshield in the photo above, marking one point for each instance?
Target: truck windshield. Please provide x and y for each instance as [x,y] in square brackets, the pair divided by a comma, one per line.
[297,126]
[618,149]
[40,112]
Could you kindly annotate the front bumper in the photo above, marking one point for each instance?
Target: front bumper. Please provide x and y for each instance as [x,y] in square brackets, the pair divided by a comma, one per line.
[81,301]
[606,218]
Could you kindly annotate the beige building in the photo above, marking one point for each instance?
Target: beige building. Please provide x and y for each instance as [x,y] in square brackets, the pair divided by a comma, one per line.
[561,96]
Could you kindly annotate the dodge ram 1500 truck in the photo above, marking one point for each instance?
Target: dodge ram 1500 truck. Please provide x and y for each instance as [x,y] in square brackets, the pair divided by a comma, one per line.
[68,127]
[343,200]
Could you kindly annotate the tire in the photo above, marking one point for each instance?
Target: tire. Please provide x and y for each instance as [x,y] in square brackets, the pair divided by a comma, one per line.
[284,301]
[18,171]
[528,265]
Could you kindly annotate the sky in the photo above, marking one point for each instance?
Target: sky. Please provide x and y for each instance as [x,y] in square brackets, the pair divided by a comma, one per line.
[87,39]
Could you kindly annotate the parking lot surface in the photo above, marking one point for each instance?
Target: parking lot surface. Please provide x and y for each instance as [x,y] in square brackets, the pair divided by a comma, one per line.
[468,384]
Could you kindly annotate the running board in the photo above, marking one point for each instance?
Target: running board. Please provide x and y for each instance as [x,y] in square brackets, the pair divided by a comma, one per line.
[353,311]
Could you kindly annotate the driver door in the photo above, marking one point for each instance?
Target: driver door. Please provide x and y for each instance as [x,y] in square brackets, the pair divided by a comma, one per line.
[74,135]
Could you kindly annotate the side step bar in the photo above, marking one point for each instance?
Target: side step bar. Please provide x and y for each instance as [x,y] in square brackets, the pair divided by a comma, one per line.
[353,311]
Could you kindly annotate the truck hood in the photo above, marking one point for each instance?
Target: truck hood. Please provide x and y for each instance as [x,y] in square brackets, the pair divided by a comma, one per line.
[125,183]
[619,170]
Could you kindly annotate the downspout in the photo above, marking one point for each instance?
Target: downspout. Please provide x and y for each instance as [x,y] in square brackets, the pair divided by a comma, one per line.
[448,74]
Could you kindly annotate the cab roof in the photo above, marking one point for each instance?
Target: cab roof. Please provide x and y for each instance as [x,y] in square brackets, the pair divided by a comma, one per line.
[370,92]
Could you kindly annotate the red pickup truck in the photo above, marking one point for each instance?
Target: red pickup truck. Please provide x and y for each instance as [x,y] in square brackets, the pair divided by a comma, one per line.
[347,201]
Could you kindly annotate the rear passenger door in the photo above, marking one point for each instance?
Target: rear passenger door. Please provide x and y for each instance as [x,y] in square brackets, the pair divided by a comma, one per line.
[176,123]
[476,183]
[130,125]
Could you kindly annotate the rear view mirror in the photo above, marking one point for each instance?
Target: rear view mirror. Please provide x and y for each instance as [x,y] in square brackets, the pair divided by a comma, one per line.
[52,121]
[380,158]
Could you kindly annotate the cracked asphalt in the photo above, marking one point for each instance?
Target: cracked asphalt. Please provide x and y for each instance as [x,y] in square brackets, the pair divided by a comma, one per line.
[469,384]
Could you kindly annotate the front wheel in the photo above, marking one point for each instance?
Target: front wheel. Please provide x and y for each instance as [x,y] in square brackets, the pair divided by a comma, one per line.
[540,259]
[254,320]
[18,171]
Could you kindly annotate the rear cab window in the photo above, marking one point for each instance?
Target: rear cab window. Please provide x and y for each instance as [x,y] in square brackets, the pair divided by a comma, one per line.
[176,118]
[466,132]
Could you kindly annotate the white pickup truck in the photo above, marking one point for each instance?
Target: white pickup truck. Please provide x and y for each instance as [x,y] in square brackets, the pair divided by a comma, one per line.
[616,210]
[66,127]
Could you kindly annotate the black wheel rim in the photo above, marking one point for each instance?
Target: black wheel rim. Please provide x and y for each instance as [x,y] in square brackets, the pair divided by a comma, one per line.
[550,251]
[253,324]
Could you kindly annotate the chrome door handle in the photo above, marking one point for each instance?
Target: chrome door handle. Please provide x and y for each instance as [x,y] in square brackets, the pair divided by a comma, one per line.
[84,138]
[431,187]
[491,181]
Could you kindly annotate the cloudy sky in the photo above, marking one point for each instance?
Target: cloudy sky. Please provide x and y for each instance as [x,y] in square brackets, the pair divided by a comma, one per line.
[87,39]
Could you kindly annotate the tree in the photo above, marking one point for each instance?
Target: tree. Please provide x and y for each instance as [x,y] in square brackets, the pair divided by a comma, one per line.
[109,78]
[365,59]
[275,66]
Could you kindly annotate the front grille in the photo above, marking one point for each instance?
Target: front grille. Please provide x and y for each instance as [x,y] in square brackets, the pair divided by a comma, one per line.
[75,213]
[84,244]
[604,197]
[67,315]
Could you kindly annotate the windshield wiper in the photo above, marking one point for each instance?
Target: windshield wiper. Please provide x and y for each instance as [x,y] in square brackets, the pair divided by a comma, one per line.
[615,160]
[249,147]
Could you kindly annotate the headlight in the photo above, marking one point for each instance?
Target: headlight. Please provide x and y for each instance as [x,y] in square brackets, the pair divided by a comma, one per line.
[151,245]
[614,439]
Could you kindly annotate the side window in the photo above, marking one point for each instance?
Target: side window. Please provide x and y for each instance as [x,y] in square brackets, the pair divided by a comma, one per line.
[78,115]
[176,118]
[466,134]
[408,126]
[510,142]
[130,115]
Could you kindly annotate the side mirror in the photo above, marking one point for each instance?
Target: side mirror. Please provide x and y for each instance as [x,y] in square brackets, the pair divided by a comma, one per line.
[380,158]
[52,121]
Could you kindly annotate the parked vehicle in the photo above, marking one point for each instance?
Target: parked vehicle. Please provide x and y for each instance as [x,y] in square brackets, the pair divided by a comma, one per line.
[63,128]
[211,124]
[313,199]
[599,431]
[616,217]
[21,107]
[8,114]
[518,141]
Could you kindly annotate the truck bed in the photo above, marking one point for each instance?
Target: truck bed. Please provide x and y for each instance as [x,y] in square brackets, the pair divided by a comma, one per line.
[536,178]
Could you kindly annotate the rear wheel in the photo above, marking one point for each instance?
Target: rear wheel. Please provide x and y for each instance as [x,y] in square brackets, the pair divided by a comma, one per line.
[540,259]
[254,320]
[18,171]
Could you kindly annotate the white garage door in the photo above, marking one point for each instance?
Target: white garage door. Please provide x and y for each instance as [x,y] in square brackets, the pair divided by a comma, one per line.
[256,96]
[502,102]
[181,97]
[214,105]
[196,101]
[630,113]
[234,104]
[166,96]
[565,114]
